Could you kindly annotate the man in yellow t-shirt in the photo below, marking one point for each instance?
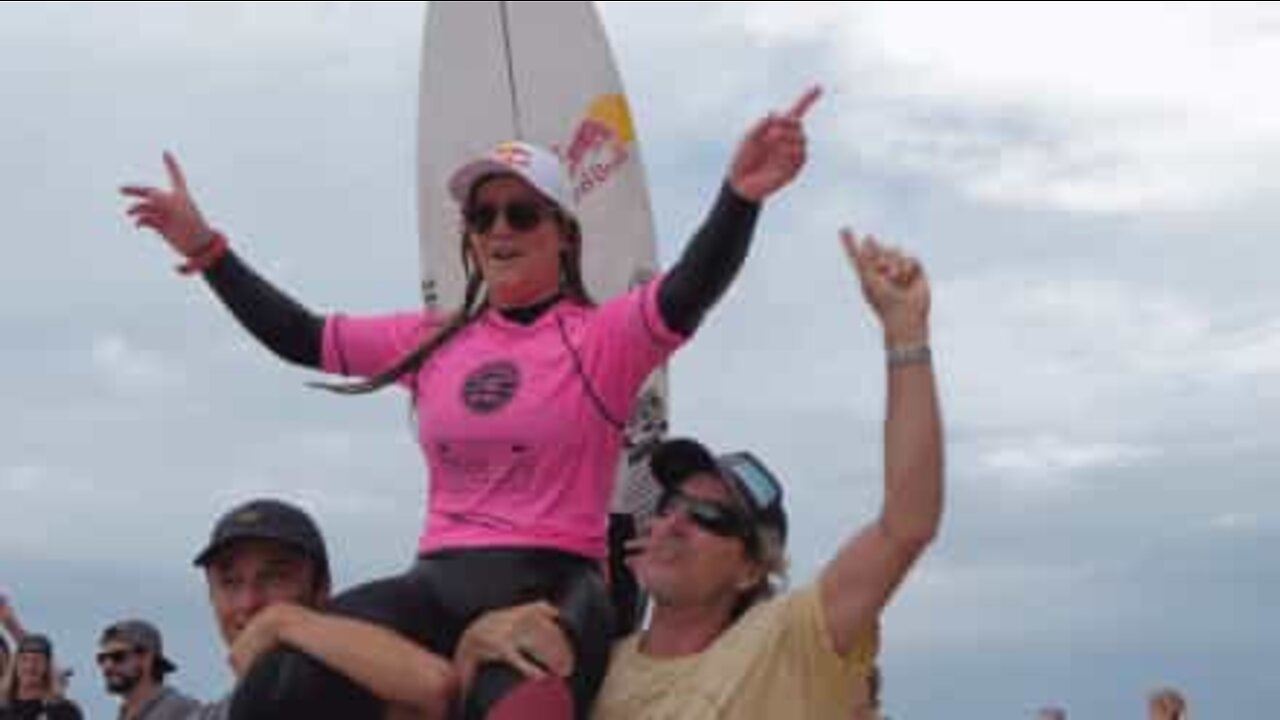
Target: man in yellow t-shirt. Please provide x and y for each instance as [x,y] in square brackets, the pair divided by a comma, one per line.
[720,644]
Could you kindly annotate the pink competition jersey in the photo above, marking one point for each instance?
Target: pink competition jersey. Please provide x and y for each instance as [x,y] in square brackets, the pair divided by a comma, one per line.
[518,453]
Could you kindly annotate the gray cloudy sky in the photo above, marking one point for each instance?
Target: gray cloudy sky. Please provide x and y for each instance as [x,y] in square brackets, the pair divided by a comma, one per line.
[1094,190]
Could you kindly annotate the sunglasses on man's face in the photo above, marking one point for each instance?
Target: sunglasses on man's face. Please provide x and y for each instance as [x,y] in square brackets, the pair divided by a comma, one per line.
[115,657]
[521,215]
[715,517]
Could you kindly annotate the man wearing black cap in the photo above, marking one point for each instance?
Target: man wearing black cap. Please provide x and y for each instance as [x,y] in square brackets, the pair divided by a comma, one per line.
[267,570]
[31,691]
[720,642]
[131,657]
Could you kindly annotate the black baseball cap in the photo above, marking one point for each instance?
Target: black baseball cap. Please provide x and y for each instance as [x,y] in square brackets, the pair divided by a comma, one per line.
[142,635]
[35,644]
[755,487]
[267,519]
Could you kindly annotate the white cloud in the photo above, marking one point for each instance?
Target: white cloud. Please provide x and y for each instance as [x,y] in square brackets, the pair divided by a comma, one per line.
[35,492]
[1250,354]
[1036,355]
[1080,106]
[1048,458]
[224,28]
[1236,522]
[23,478]
[132,370]
[1116,317]
[989,596]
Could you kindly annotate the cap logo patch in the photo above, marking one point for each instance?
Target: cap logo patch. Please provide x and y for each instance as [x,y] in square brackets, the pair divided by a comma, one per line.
[249,517]
[512,154]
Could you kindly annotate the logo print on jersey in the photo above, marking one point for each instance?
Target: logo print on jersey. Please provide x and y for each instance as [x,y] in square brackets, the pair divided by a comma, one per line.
[491,386]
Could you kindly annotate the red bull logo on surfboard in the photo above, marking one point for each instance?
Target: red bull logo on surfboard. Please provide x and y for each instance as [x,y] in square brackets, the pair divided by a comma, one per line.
[600,146]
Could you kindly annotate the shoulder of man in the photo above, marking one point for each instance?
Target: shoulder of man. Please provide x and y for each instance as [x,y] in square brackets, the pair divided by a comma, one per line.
[782,609]
[796,614]
[219,710]
[171,704]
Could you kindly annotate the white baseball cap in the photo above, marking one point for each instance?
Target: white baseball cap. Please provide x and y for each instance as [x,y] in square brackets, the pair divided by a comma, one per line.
[535,165]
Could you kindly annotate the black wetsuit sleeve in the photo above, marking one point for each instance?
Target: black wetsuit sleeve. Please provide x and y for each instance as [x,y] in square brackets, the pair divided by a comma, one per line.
[709,263]
[281,324]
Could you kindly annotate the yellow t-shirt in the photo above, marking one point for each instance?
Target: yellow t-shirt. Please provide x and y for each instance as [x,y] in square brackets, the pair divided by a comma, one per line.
[776,661]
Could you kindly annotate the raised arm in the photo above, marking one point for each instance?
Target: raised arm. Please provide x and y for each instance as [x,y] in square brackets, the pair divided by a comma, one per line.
[281,324]
[767,160]
[857,584]
[9,620]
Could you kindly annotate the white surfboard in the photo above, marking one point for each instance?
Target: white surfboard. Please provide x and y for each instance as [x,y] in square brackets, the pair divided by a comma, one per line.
[540,72]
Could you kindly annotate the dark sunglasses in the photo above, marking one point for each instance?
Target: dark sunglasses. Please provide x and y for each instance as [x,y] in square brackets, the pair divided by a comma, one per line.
[522,216]
[115,657]
[715,517]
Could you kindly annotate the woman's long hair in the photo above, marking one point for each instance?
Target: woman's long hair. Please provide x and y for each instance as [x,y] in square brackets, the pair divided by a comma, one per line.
[9,680]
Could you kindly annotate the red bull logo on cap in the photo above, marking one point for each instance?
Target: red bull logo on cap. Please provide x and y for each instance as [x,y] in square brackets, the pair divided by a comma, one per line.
[600,145]
[512,154]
